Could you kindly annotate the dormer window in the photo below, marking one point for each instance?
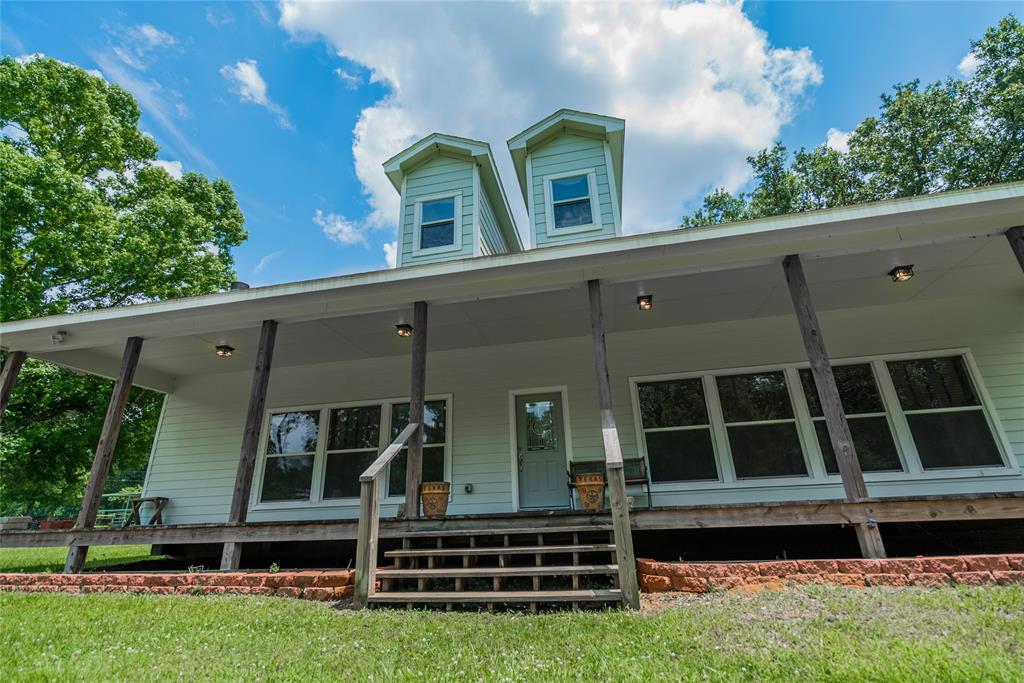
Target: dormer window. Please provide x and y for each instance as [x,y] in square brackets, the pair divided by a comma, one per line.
[571,202]
[438,224]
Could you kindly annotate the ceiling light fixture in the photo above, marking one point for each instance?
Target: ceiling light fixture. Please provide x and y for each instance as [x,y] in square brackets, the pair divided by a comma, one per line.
[403,330]
[902,273]
[225,351]
[645,302]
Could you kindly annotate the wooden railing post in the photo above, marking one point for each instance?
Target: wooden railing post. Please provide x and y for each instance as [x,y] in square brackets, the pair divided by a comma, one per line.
[105,451]
[1015,236]
[231,556]
[9,377]
[868,536]
[417,389]
[617,498]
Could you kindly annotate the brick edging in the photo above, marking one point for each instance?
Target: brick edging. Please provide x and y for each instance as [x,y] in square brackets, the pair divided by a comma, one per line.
[704,577]
[305,585]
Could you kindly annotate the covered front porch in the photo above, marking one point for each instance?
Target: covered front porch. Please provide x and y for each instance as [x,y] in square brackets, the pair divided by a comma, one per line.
[519,365]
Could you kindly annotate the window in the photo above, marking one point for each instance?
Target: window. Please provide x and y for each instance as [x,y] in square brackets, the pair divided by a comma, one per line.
[436,223]
[945,416]
[353,439]
[315,455]
[291,448]
[865,413]
[434,438]
[676,430]
[760,424]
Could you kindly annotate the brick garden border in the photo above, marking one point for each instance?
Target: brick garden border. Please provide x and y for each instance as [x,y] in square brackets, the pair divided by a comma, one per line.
[705,577]
[305,585]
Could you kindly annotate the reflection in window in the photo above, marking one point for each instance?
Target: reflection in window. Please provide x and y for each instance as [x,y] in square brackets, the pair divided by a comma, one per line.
[570,202]
[437,223]
[677,432]
[291,447]
[434,438]
[762,431]
[865,413]
[353,438]
[540,425]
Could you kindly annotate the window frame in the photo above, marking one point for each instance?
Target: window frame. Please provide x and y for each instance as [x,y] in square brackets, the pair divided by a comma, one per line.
[316,499]
[549,206]
[417,224]
[817,475]
[710,426]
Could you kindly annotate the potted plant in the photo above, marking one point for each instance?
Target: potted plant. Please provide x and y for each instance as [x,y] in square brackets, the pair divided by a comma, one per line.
[434,495]
[591,490]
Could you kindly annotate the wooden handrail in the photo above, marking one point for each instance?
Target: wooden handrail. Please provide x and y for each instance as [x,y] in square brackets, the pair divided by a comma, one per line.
[369,518]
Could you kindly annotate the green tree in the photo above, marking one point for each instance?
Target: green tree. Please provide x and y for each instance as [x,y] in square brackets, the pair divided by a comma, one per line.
[88,220]
[947,135]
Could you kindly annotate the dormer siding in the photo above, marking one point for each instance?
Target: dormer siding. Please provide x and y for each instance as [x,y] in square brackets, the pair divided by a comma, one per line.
[441,177]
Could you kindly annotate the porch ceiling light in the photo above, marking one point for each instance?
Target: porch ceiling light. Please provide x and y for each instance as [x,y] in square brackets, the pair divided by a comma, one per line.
[645,302]
[403,330]
[902,273]
[225,351]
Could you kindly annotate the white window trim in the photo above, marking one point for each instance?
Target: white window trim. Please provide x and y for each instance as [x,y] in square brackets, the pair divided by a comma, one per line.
[316,499]
[418,221]
[595,206]
[808,439]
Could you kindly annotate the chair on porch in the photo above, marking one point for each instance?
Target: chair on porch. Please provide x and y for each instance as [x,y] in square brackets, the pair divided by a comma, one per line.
[635,470]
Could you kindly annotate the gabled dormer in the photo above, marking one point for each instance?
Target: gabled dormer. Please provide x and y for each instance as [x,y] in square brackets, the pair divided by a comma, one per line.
[453,205]
[569,168]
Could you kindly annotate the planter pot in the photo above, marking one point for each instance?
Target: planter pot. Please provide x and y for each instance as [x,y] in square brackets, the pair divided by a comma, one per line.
[591,490]
[434,495]
[56,523]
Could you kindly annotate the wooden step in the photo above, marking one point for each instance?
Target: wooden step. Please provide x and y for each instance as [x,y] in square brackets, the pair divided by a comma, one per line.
[456,533]
[610,595]
[471,572]
[502,550]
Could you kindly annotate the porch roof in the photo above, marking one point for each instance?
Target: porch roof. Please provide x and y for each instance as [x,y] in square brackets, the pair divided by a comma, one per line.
[714,273]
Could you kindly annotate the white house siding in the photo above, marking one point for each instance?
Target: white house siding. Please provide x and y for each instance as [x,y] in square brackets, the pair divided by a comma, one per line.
[570,153]
[196,452]
[438,176]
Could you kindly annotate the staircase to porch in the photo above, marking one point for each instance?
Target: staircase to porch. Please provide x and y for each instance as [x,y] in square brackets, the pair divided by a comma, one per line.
[491,569]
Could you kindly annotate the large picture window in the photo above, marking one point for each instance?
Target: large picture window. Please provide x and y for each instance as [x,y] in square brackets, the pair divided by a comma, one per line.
[944,413]
[301,464]
[677,431]
[865,413]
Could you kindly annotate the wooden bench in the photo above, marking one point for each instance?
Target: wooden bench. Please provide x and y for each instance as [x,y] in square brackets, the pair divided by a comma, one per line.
[635,470]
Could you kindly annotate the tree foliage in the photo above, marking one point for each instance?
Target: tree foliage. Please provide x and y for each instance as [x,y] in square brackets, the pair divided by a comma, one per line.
[87,220]
[947,135]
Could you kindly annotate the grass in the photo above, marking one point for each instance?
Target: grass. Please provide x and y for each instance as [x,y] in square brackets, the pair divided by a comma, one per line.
[52,559]
[812,634]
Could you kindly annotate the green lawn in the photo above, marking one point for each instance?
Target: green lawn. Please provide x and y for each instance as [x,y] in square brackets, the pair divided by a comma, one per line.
[812,634]
[52,559]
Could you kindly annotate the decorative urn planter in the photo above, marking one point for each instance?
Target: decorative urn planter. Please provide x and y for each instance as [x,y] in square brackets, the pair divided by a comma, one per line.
[591,490]
[434,495]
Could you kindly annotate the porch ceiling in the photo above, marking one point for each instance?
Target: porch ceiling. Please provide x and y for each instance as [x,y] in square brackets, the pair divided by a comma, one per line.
[978,266]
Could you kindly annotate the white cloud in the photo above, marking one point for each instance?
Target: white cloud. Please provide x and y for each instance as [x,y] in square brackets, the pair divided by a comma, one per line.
[250,86]
[173,168]
[351,81]
[135,45]
[699,85]
[391,254]
[265,261]
[838,140]
[219,16]
[262,13]
[968,65]
[339,228]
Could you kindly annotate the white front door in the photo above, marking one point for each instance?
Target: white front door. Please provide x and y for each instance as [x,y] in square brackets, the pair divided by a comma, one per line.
[540,449]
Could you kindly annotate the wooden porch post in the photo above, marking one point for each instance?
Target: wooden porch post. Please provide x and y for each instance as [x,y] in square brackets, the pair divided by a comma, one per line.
[104,451]
[9,377]
[232,554]
[613,457]
[418,384]
[1015,236]
[868,536]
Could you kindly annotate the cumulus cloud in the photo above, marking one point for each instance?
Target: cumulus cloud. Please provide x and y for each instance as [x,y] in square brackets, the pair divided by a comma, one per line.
[968,65]
[391,254]
[249,84]
[339,228]
[173,168]
[838,140]
[699,85]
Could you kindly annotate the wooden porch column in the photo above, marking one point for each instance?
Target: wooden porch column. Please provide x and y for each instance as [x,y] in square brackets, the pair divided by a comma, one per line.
[418,384]
[9,377]
[232,554]
[1015,236]
[104,451]
[613,457]
[868,536]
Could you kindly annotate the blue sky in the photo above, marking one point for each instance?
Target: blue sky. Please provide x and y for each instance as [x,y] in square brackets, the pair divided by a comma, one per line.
[297,105]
